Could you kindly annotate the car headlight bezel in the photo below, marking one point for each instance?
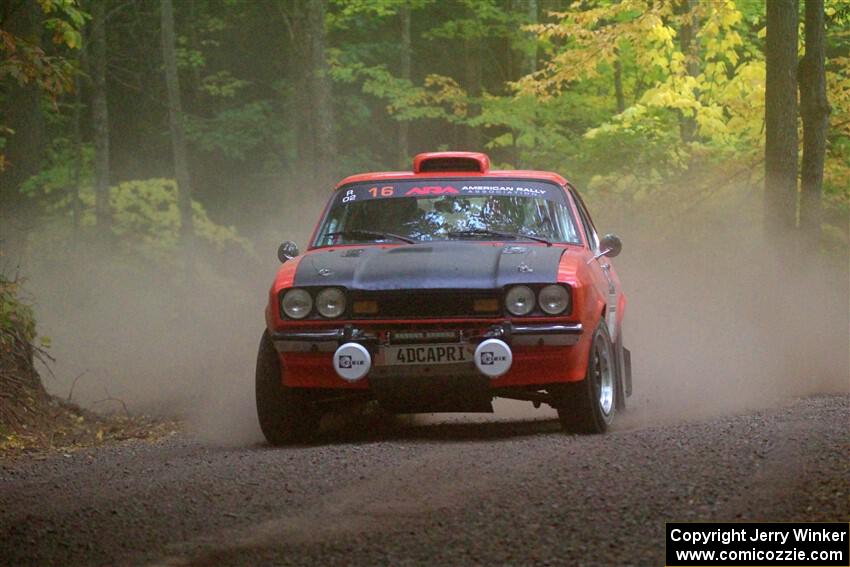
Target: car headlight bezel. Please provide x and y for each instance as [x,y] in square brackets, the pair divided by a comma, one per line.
[511,304]
[564,294]
[321,302]
[294,295]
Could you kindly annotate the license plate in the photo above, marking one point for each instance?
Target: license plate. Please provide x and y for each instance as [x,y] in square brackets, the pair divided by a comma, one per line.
[425,354]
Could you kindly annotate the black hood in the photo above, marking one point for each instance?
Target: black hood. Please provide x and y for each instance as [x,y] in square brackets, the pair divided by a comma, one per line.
[431,265]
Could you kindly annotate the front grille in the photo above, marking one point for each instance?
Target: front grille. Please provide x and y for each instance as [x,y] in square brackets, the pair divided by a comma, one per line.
[426,304]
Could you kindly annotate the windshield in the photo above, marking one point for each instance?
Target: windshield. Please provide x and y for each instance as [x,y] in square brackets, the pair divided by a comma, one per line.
[448,209]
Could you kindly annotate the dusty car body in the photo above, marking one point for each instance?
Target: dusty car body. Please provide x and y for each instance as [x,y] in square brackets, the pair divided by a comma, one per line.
[438,289]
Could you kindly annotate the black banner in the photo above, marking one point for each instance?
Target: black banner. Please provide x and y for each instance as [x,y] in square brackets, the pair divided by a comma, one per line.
[759,544]
[464,187]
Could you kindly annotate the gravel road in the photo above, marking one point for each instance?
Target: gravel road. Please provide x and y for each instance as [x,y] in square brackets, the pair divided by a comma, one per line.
[484,493]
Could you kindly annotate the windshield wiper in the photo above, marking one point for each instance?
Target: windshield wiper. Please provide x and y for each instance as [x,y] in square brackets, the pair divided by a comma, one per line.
[358,232]
[502,233]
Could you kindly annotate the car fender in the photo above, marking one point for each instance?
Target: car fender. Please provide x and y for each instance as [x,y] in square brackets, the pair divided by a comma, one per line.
[588,301]
[284,279]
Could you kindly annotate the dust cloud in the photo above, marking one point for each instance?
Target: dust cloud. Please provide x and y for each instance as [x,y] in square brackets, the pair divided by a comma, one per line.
[717,321]
[720,319]
[132,331]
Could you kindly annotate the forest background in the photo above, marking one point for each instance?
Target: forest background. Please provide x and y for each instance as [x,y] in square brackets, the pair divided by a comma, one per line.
[655,110]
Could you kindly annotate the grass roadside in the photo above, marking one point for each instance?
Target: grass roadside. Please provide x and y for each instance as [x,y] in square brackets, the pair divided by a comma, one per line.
[31,420]
[62,426]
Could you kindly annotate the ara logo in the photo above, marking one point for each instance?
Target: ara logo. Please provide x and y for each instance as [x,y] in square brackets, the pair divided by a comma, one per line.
[432,190]
[490,358]
[346,361]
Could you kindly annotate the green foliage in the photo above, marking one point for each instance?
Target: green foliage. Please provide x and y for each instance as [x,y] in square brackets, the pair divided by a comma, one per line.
[478,19]
[563,117]
[687,110]
[725,97]
[222,84]
[25,61]
[145,217]
[188,58]
[16,317]
[65,19]
[147,220]
[52,185]
[348,13]
[233,132]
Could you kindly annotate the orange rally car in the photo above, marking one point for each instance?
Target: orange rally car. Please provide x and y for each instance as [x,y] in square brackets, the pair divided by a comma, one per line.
[438,289]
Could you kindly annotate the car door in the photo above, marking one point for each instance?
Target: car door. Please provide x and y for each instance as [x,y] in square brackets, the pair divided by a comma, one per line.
[604,275]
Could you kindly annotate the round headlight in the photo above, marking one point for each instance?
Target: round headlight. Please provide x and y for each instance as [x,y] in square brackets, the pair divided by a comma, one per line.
[520,300]
[297,303]
[554,299]
[330,302]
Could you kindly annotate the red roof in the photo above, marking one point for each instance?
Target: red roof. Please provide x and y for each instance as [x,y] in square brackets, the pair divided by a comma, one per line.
[483,160]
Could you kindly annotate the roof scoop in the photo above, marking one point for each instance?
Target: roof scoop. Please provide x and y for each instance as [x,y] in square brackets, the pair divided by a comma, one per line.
[451,162]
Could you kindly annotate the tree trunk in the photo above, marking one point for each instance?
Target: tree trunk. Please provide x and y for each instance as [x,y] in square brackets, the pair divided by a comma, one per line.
[529,63]
[22,114]
[780,116]
[300,111]
[100,121]
[472,52]
[814,110]
[175,122]
[618,84]
[689,46]
[322,102]
[195,45]
[404,73]
[77,141]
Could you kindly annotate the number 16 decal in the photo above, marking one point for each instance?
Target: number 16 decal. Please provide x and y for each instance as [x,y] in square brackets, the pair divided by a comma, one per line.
[387,191]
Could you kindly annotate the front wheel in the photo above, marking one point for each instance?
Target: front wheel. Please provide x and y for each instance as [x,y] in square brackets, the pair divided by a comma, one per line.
[588,406]
[286,415]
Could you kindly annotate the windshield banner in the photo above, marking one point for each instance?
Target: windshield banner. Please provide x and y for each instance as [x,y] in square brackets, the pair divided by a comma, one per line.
[427,188]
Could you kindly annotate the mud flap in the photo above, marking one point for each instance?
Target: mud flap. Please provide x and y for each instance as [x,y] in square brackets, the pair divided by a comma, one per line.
[433,394]
[624,372]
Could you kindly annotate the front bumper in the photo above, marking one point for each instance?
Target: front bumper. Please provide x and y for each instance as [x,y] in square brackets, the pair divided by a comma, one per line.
[526,334]
[543,352]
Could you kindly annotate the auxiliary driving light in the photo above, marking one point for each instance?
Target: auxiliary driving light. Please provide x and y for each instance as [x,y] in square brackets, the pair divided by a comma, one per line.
[352,362]
[493,358]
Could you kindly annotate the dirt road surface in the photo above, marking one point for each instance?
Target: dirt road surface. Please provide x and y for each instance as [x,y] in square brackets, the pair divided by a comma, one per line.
[501,493]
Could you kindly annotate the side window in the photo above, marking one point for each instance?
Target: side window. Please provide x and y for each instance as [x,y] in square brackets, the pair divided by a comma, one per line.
[566,225]
[587,223]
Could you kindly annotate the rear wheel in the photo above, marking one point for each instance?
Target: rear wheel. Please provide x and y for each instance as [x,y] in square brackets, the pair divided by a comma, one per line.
[588,406]
[286,415]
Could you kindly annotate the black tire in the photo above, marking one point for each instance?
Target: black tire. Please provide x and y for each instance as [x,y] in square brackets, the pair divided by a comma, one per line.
[285,414]
[581,406]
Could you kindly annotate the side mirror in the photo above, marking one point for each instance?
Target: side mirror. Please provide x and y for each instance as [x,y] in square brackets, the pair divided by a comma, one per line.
[287,251]
[610,245]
